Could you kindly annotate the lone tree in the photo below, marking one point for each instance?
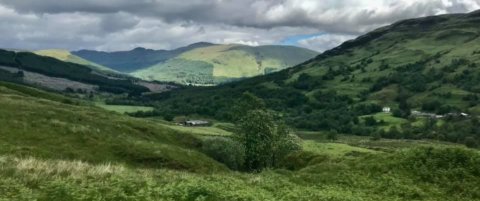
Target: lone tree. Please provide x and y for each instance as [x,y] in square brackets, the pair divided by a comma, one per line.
[266,142]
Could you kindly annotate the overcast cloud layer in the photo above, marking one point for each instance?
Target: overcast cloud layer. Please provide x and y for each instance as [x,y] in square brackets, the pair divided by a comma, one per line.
[164,24]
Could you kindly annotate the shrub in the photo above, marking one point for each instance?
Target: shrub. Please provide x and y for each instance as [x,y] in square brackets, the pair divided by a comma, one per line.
[225,150]
[440,165]
[332,135]
[471,142]
[377,135]
[168,117]
[431,105]
[370,121]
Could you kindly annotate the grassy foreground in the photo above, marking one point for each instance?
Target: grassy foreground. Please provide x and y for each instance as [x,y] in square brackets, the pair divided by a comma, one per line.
[51,151]
[420,174]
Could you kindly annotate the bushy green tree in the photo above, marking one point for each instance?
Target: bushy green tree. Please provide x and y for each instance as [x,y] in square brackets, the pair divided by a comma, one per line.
[168,117]
[471,142]
[266,142]
[247,103]
[375,136]
[370,121]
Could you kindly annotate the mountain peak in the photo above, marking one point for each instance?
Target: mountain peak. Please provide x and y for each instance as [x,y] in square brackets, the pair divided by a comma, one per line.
[141,49]
[201,44]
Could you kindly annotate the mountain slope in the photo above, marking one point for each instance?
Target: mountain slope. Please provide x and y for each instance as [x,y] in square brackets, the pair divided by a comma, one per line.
[430,64]
[201,63]
[51,73]
[65,55]
[136,59]
[220,63]
[40,124]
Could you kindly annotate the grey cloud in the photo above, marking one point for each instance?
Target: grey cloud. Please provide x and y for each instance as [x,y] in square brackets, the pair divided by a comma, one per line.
[55,6]
[118,21]
[123,24]
[354,17]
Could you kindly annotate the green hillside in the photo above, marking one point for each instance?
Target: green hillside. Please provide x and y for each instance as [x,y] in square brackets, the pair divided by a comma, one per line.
[51,150]
[43,125]
[220,63]
[199,63]
[136,59]
[427,64]
[65,55]
[49,72]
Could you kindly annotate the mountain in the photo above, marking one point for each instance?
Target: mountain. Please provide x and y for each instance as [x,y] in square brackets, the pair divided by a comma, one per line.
[429,64]
[54,74]
[136,59]
[201,63]
[65,55]
[221,63]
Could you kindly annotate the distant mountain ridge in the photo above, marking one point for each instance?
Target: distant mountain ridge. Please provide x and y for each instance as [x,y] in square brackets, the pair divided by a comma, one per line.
[200,63]
[58,70]
[65,55]
[135,59]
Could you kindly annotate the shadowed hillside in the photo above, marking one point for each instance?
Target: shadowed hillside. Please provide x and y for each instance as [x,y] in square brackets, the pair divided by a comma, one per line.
[136,59]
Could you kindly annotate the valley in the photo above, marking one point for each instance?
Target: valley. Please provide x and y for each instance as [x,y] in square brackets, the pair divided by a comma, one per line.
[390,115]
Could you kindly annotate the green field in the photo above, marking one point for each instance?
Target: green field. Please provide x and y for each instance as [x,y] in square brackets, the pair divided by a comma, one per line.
[205,131]
[124,108]
[334,150]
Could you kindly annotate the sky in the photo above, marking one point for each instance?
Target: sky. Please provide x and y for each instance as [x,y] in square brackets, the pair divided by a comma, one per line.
[113,25]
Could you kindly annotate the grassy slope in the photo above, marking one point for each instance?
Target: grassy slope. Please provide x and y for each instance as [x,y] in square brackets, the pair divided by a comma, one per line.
[218,63]
[403,175]
[451,36]
[122,109]
[33,126]
[42,142]
[65,55]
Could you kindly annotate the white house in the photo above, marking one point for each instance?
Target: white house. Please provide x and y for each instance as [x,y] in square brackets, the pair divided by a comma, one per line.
[386,109]
[196,123]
